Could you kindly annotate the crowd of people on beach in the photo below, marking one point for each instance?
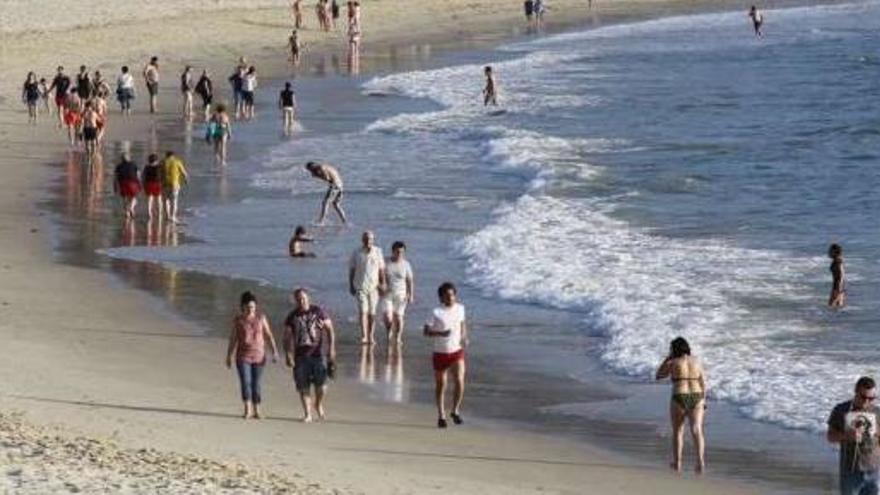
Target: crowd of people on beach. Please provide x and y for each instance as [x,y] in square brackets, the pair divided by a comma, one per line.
[380,287]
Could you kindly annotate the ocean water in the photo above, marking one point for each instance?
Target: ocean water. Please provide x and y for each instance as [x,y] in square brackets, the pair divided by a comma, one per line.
[643,181]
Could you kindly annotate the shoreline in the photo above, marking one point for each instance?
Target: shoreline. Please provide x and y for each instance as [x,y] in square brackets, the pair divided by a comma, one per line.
[134,294]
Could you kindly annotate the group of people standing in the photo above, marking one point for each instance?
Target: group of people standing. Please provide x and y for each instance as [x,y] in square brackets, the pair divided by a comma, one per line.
[309,341]
[328,13]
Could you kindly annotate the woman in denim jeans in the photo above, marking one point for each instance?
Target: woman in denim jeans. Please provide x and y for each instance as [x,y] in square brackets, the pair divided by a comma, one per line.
[247,345]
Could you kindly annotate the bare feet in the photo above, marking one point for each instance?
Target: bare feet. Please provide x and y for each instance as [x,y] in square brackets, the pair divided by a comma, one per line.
[699,468]
[307,418]
[321,415]
[676,466]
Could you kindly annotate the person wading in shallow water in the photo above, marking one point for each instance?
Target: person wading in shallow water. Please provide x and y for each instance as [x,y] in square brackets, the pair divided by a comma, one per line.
[688,402]
[837,299]
[448,330]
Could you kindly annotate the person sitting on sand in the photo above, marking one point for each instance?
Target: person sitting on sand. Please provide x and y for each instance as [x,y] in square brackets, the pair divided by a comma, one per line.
[126,184]
[490,91]
[838,282]
[329,174]
[219,131]
[447,328]
[400,294]
[295,247]
[688,400]
[247,347]
[854,426]
[174,176]
[310,349]
[757,20]
[287,103]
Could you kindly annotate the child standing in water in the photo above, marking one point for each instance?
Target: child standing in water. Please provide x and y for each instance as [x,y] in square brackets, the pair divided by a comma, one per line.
[490,94]
[838,283]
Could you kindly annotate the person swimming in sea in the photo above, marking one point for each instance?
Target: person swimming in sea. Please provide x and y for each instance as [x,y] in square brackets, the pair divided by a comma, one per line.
[757,20]
[490,91]
[837,299]
[688,401]
[295,247]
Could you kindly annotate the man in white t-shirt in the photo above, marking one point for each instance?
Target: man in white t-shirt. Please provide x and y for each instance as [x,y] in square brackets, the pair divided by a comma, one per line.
[366,279]
[399,275]
[448,329]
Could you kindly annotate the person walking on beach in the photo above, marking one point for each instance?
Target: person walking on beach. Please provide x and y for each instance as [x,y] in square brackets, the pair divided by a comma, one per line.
[61,85]
[73,117]
[205,90]
[366,281]
[490,91]
[837,299]
[287,103]
[447,327]
[853,425]
[295,47]
[84,87]
[186,88]
[125,90]
[529,7]
[126,184]
[247,347]
[236,80]
[329,174]
[757,20]
[310,349]
[101,88]
[30,95]
[90,120]
[248,87]
[174,176]
[44,94]
[401,290]
[219,132]
[295,246]
[297,14]
[688,402]
[540,9]
[151,78]
[151,178]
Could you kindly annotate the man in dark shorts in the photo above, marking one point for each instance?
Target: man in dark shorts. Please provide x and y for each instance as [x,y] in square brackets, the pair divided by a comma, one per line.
[61,85]
[287,102]
[151,77]
[90,128]
[310,349]
[127,185]
[854,426]
[84,85]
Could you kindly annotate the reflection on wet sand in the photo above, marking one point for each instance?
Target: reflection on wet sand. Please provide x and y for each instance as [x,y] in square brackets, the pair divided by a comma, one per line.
[392,384]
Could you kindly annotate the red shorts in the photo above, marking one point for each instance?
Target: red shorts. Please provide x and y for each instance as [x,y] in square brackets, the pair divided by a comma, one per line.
[153,188]
[129,188]
[59,99]
[442,360]
[71,118]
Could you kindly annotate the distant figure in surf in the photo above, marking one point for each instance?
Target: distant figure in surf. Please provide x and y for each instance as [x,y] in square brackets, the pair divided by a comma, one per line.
[838,283]
[757,19]
[295,247]
[490,91]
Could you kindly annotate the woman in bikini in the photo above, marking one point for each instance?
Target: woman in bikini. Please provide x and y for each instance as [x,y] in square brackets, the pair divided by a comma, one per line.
[688,400]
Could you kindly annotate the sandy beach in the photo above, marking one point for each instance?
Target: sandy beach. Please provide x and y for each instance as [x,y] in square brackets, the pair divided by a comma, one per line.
[105,391]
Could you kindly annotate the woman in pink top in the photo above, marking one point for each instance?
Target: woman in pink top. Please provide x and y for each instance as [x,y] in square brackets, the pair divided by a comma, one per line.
[247,345]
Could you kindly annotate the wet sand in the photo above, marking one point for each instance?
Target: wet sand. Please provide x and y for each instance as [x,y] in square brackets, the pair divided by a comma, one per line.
[106,360]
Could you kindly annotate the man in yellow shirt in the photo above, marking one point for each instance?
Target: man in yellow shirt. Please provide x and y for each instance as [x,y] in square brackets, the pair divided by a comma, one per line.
[173,177]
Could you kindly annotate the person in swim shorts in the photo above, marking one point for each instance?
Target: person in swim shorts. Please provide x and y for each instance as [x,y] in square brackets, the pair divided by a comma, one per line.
[366,282]
[447,328]
[688,402]
[151,178]
[127,185]
[90,128]
[400,293]
[329,174]
[310,349]
[61,85]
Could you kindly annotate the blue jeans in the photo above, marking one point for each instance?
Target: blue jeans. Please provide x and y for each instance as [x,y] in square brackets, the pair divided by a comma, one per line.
[249,377]
[859,483]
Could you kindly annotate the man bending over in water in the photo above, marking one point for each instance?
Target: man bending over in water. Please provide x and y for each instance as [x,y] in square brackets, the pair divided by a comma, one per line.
[490,94]
[330,175]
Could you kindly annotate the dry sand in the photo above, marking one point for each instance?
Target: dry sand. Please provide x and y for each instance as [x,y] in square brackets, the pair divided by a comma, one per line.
[113,375]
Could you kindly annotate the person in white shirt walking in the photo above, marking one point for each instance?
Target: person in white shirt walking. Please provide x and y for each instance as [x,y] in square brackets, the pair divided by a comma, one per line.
[399,275]
[448,329]
[366,279]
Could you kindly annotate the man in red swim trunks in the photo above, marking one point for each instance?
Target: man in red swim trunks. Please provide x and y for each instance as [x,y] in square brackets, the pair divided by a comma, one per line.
[448,329]
[127,184]
[61,85]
